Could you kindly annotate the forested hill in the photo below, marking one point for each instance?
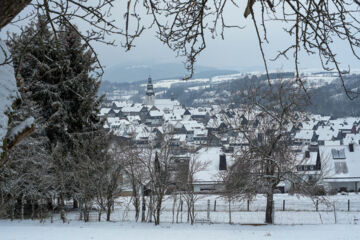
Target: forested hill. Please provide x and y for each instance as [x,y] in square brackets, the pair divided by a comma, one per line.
[138,72]
[325,89]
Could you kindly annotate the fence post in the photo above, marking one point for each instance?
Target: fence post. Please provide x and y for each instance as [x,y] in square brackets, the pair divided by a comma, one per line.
[317,205]
[248,205]
[181,209]
[348,205]
[215,206]
[284,205]
[273,212]
[208,210]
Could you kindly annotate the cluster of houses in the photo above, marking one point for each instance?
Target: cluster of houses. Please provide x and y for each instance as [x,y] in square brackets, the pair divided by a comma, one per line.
[326,144]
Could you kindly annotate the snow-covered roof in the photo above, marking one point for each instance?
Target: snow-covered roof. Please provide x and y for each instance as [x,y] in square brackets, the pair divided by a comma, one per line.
[163,104]
[308,125]
[135,108]
[301,158]
[317,117]
[304,134]
[156,113]
[351,138]
[120,104]
[198,111]
[210,156]
[214,123]
[332,143]
[342,123]
[172,117]
[179,137]
[192,125]
[326,133]
[104,111]
[178,110]
[113,120]
[133,119]
[339,162]
[200,132]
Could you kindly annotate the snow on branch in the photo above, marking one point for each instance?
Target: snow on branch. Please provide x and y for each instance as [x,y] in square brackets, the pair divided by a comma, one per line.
[22,130]
[8,95]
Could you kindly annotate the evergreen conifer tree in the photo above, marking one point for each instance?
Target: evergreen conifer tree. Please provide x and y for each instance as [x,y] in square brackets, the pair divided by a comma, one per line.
[58,75]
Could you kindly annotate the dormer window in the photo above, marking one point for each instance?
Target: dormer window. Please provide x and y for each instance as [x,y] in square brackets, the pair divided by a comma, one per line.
[338,154]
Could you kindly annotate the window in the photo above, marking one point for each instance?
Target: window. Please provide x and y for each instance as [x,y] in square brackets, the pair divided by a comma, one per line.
[341,167]
[338,154]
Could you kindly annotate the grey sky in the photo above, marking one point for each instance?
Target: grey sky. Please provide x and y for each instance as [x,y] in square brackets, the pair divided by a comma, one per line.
[238,51]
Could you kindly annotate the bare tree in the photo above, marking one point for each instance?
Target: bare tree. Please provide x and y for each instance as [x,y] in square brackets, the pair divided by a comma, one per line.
[269,156]
[156,160]
[313,25]
[188,176]
[98,172]
[136,174]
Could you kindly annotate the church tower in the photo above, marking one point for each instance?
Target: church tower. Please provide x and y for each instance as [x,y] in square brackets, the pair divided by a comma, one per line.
[150,95]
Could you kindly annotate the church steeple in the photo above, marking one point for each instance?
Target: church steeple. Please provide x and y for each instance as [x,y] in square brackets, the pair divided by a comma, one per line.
[150,95]
[150,88]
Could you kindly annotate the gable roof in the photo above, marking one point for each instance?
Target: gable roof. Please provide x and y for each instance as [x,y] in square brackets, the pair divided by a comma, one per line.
[340,163]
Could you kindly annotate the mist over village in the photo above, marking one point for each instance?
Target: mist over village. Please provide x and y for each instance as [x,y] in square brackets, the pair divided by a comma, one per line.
[179,119]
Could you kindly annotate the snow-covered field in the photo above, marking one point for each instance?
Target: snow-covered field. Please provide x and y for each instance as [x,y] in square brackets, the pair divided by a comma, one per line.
[299,221]
[298,210]
[33,230]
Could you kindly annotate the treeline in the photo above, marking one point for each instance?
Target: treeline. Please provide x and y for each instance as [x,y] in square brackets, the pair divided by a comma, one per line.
[329,99]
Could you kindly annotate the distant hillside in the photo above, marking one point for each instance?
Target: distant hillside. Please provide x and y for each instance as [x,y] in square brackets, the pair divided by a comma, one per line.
[132,73]
[327,94]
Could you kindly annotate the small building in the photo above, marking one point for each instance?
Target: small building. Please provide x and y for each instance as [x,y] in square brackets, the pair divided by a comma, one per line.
[209,180]
[341,166]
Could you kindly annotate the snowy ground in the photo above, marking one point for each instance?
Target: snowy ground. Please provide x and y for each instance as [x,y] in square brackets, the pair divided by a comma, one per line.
[298,210]
[33,230]
[299,221]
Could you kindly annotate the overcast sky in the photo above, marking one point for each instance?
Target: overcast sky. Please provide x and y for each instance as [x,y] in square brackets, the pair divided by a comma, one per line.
[238,51]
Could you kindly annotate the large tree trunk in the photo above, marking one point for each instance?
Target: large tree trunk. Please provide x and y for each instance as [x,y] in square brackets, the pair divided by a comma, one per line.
[32,209]
[22,206]
[157,213]
[143,210]
[229,201]
[62,207]
[80,211]
[269,207]
[173,209]
[86,213]
[136,205]
[9,9]
[99,214]
[75,204]
[158,209]
[110,203]
[192,213]
[151,207]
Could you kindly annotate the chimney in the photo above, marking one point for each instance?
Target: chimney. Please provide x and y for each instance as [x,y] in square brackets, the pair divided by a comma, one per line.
[307,154]
[351,147]
[222,163]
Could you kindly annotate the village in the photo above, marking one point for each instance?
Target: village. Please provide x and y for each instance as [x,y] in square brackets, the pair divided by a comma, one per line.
[179,120]
[326,148]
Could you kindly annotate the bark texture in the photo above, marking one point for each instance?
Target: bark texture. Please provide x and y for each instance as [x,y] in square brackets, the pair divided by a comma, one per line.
[9,9]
